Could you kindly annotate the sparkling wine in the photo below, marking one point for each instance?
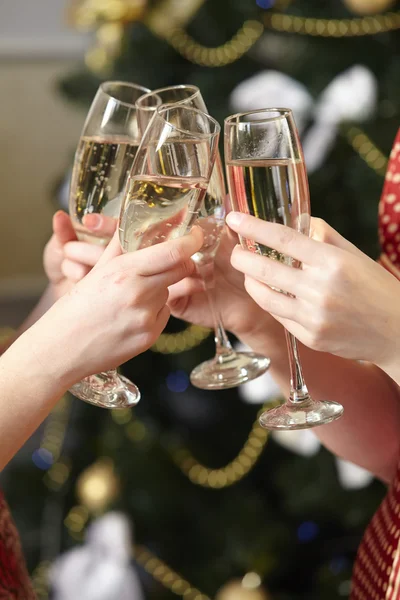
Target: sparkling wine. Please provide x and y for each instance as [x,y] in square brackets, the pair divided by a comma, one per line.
[158,209]
[272,190]
[98,180]
[211,219]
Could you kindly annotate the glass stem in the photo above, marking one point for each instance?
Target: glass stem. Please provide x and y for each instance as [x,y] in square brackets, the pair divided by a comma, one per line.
[105,381]
[222,343]
[110,378]
[223,346]
[298,388]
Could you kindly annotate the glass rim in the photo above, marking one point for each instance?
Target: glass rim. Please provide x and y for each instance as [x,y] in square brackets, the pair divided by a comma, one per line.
[165,107]
[125,84]
[196,92]
[283,113]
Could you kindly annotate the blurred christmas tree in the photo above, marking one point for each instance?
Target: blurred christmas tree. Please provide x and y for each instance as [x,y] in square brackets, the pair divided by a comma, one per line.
[292,515]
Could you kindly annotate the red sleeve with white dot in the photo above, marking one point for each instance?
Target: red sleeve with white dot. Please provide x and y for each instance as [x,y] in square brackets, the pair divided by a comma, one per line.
[389,213]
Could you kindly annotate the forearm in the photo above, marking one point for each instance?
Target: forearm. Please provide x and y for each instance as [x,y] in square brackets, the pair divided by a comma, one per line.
[46,301]
[29,391]
[368,432]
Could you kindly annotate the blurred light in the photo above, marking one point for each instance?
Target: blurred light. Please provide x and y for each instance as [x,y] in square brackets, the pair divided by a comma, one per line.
[307,531]
[265,3]
[178,381]
[251,581]
[42,459]
[344,588]
[338,564]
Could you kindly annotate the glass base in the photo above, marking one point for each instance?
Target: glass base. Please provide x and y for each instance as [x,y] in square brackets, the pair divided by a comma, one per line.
[118,392]
[301,415]
[229,370]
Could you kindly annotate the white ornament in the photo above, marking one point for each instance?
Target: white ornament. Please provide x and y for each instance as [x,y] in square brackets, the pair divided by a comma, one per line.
[351,476]
[302,441]
[351,96]
[100,569]
[272,89]
[259,390]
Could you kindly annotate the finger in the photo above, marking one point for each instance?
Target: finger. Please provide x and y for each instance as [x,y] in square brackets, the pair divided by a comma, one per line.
[113,249]
[174,275]
[62,228]
[82,252]
[269,271]
[166,255]
[185,287]
[275,303]
[74,271]
[100,224]
[322,232]
[281,238]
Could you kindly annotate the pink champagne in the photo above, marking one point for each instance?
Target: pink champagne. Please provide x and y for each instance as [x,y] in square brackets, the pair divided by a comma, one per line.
[272,190]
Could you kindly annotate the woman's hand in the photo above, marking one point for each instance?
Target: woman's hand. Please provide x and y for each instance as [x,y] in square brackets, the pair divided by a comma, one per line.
[240,314]
[116,312]
[340,302]
[65,259]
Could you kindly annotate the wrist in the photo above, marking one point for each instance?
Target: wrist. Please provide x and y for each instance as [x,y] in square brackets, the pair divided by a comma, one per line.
[27,359]
[52,342]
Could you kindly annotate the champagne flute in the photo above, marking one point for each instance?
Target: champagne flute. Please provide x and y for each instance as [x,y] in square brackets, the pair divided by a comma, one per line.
[267,178]
[228,368]
[105,153]
[169,177]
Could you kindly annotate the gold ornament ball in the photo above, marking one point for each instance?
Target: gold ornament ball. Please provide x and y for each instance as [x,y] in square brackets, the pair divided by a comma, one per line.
[369,7]
[235,590]
[98,486]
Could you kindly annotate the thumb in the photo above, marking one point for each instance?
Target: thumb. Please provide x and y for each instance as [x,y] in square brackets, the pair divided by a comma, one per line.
[113,249]
[100,224]
[62,228]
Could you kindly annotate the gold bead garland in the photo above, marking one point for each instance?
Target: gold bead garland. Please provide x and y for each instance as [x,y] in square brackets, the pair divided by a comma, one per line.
[40,580]
[174,343]
[136,431]
[367,150]
[337,28]
[157,568]
[161,572]
[233,472]
[246,36]
[251,31]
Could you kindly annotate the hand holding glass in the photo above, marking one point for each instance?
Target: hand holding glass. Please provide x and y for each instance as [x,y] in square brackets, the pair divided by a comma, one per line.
[105,154]
[169,177]
[267,179]
[228,368]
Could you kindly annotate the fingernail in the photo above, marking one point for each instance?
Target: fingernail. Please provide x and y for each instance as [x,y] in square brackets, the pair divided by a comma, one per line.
[234,219]
[92,221]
